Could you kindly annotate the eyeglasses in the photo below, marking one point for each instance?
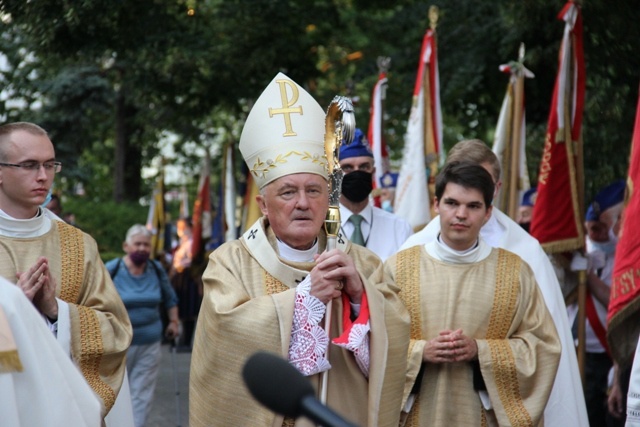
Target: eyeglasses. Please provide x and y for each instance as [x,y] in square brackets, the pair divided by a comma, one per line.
[32,165]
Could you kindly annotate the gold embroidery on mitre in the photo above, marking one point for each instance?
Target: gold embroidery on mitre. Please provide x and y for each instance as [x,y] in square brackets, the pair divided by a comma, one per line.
[287,103]
[71,261]
[502,358]
[91,351]
[261,168]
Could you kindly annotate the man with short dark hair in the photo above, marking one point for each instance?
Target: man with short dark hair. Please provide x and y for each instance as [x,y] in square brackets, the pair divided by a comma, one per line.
[566,405]
[484,350]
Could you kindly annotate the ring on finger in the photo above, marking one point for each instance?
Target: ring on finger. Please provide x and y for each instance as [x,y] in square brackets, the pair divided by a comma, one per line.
[340,285]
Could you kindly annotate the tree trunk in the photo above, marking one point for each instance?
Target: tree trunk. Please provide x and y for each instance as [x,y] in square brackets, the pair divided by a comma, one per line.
[128,155]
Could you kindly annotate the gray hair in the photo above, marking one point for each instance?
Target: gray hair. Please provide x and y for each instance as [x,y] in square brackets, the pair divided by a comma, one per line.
[137,230]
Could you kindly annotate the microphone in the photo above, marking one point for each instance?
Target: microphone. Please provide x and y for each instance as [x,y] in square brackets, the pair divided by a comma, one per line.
[282,388]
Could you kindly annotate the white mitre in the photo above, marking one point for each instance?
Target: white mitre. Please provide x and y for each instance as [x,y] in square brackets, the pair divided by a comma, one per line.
[284,133]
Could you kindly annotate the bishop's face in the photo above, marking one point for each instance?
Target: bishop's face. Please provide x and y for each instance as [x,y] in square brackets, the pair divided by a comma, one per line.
[462,214]
[296,206]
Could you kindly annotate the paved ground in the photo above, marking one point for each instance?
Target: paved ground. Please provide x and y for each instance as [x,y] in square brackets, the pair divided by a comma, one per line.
[170,390]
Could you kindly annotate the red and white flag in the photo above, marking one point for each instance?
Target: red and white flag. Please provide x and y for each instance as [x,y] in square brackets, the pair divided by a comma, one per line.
[624,301]
[509,141]
[423,150]
[202,211]
[557,213]
[376,139]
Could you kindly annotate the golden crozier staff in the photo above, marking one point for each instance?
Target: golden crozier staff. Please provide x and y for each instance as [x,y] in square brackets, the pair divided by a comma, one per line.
[340,125]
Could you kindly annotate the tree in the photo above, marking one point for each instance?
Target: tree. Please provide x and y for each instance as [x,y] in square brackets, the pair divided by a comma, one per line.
[110,78]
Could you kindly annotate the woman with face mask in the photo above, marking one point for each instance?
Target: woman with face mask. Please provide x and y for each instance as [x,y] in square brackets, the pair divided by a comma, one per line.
[144,287]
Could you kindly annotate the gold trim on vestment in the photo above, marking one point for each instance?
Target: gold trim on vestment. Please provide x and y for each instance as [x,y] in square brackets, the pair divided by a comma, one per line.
[408,277]
[91,355]
[273,285]
[71,260]
[9,357]
[91,345]
[10,362]
[502,358]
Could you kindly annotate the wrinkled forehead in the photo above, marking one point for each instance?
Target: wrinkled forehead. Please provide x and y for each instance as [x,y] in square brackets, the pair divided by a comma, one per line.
[298,180]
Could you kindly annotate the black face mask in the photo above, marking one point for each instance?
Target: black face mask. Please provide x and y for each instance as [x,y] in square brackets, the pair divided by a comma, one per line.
[526,226]
[357,185]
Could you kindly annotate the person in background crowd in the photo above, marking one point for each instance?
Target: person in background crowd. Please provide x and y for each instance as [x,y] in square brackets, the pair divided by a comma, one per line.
[388,190]
[566,405]
[601,222]
[187,289]
[268,290]
[144,288]
[526,208]
[59,269]
[378,230]
[55,205]
[484,348]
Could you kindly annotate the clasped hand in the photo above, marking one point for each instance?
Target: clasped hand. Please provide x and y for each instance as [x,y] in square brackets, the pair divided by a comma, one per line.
[333,274]
[39,286]
[450,346]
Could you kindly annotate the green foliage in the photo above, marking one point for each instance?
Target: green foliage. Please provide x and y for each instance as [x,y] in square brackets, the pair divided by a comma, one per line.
[107,222]
[104,75]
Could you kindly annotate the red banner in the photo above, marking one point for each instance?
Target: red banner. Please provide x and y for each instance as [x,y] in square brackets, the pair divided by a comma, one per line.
[624,301]
[557,214]
[201,213]
[423,141]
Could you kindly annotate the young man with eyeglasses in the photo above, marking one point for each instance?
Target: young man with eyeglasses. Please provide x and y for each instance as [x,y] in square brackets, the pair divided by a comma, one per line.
[57,266]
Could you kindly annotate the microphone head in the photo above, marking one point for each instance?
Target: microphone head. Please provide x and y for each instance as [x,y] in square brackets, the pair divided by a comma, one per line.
[276,384]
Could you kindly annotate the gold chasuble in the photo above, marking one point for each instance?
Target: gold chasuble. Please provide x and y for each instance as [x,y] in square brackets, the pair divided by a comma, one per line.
[100,328]
[248,306]
[496,301]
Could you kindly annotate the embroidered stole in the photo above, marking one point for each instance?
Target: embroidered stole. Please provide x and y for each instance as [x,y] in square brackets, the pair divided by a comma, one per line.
[72,276]
[502,312]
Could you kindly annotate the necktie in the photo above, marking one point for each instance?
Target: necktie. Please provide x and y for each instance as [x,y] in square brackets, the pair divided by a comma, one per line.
[356,236]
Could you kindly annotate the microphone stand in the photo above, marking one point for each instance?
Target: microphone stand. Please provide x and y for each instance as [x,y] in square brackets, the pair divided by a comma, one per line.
[340,127]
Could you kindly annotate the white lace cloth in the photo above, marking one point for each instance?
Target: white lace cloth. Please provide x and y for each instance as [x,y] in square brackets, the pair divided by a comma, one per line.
[309,341]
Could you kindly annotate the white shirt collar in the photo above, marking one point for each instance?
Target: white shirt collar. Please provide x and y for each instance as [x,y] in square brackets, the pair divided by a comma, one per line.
[32,227]
[296,255]
[441,251]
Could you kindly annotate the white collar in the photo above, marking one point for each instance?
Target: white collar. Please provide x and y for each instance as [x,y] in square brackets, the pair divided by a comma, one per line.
[32,227]
[296,255]
[441,251]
